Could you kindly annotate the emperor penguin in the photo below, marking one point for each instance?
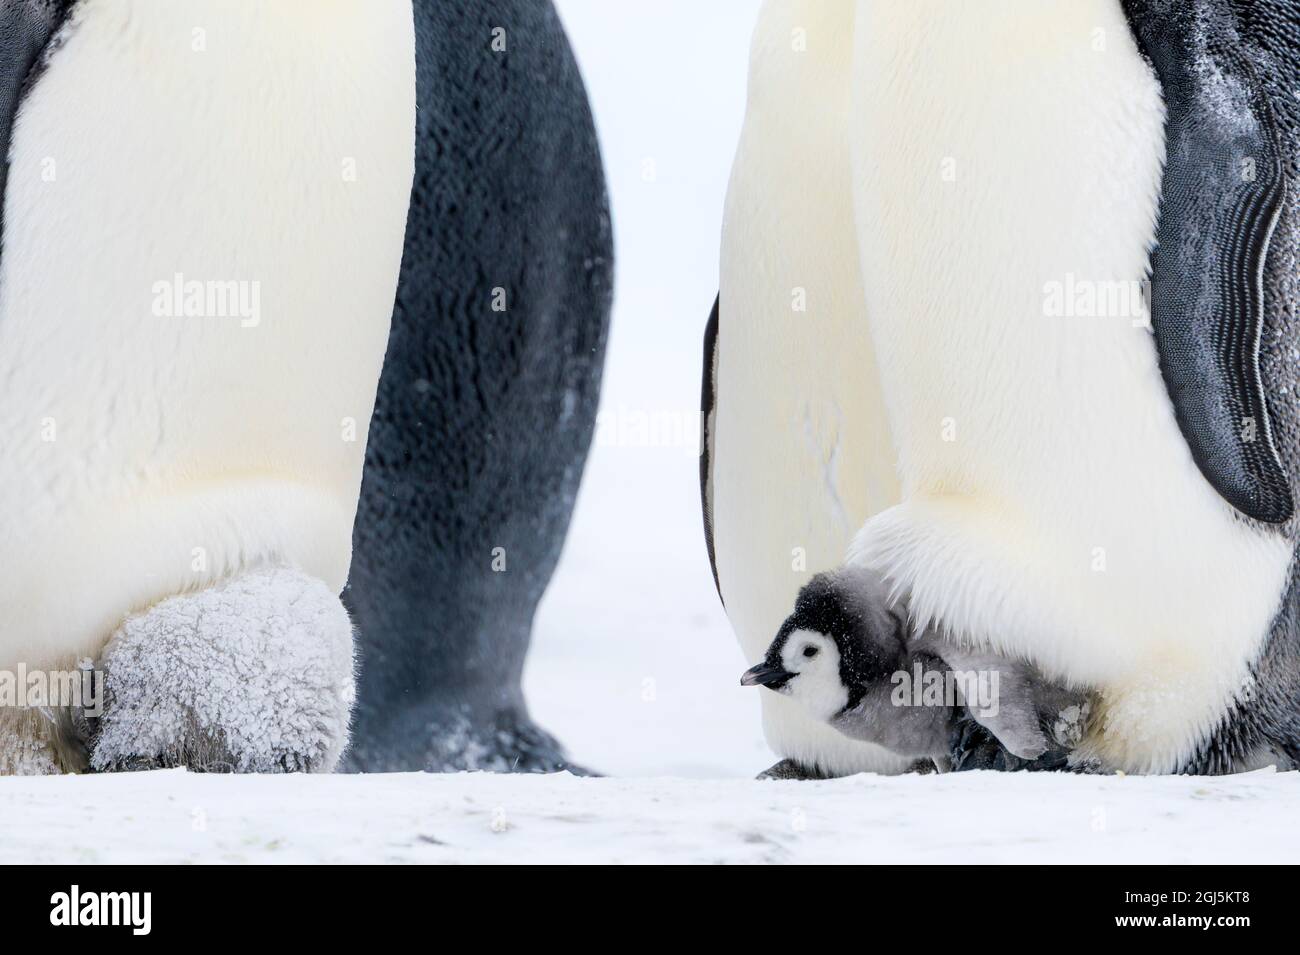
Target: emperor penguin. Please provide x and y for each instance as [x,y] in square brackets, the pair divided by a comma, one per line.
[1007,321]
[210,210]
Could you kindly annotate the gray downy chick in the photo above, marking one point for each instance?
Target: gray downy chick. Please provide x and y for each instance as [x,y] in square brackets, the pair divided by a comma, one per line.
[848,655]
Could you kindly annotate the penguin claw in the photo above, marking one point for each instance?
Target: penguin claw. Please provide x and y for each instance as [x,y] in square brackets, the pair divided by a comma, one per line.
[530,749]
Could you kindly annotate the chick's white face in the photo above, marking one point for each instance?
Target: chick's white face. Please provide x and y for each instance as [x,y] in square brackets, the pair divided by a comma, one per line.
[814,660]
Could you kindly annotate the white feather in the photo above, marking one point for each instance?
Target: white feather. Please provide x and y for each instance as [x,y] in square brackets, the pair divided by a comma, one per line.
[147,455]
[816,684]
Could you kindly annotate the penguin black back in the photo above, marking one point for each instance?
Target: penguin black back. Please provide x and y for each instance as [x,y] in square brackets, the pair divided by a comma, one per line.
[488,397]
[1229,70]
[1221,244]
[26,30]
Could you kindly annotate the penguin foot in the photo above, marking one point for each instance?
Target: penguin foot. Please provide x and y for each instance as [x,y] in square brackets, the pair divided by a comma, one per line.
[974,747]
[253,674]
[792,769]
[511,743]
[461,740]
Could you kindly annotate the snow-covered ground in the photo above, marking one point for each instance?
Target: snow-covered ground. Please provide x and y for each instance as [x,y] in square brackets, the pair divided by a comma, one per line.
[634,665]
[971,818]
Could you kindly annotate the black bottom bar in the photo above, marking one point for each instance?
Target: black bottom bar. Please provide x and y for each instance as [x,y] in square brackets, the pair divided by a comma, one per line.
[266,903]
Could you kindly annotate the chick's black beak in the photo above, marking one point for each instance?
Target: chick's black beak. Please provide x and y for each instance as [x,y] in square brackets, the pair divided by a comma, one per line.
[766,674]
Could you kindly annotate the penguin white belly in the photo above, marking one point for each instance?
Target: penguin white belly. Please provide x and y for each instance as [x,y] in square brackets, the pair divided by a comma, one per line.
[1007,160]
[259,157]
[801,453]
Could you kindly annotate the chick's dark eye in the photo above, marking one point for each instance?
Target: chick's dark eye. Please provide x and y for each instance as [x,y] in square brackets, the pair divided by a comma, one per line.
[810,651]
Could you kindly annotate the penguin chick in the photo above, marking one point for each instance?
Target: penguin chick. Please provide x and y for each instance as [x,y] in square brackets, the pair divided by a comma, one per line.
[847,655]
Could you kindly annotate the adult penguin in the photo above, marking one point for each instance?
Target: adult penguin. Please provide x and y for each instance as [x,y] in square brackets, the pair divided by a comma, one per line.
[205,225]
[929,362]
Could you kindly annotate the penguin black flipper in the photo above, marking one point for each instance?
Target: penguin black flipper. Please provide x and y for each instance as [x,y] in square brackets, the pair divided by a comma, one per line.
[708,401]
[1225,182]
[26,28]
[487,402]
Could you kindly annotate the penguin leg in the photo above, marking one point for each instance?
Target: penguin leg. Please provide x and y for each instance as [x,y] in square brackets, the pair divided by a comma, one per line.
[1061,716]
[487,402]
[253,674]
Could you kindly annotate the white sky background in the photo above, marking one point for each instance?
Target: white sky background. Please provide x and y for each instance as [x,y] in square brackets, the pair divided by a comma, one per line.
[634,665]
